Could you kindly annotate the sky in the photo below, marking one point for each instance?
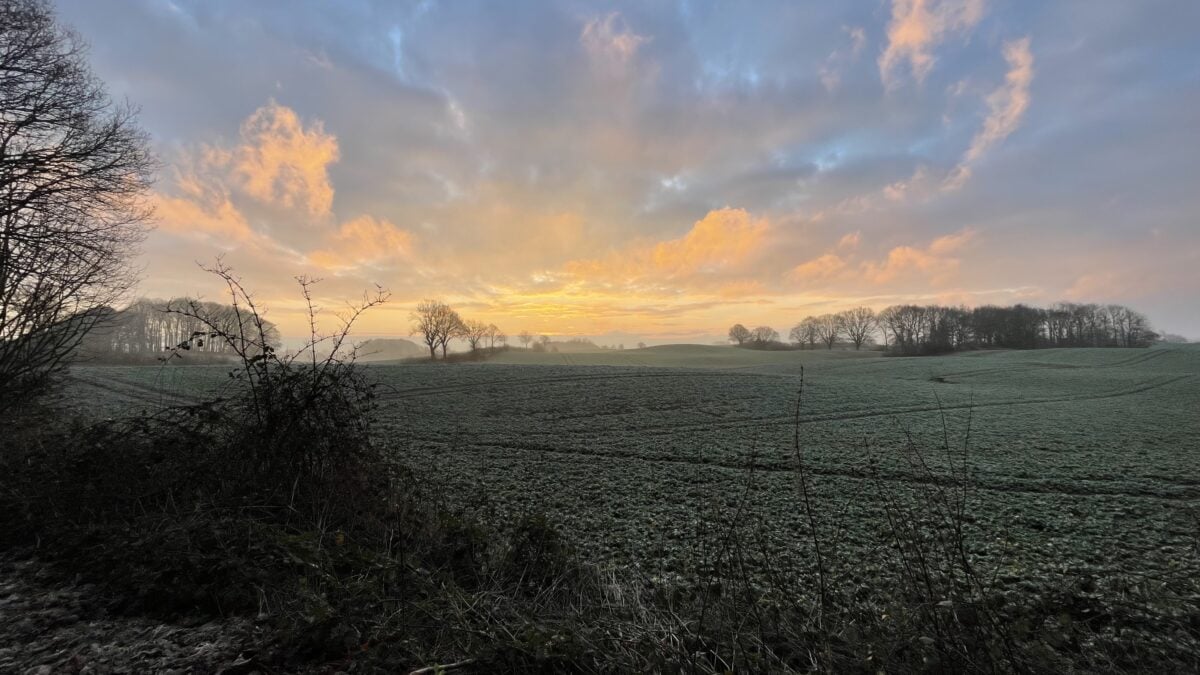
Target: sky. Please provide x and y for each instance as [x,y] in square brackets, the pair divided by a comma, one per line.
[660,170]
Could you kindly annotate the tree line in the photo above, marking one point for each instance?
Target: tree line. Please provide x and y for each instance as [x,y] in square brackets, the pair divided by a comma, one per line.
[437,323]
[935,329]
[149,327]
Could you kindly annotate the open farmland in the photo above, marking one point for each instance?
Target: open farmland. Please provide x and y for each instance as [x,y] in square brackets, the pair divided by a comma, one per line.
[1083,462]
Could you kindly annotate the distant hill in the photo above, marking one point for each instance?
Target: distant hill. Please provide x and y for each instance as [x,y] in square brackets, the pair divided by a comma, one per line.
[389,349]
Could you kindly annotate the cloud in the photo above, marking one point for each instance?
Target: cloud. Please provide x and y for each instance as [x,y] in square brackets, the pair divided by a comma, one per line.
[936,262]
[915,30]
[282,162]
[1006,106]
[717,244]
[219,222]
[609,41]
[818,269]
[839,59]
[361,242]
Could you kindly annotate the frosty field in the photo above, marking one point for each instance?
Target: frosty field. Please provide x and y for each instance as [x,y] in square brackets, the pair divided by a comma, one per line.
[1083,463]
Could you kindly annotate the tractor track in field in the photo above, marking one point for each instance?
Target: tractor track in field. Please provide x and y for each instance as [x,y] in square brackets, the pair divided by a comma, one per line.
[1017,485]
[1042,365]
[136,391]
[789,419]
[1190,488]
[467,386]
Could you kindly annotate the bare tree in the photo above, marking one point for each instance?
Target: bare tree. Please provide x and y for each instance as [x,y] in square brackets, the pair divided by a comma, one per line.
[436,323]
[796,334]
[739,334]
[764,334]
[492,333]
[525,338]
[829,328]
[502,339]
[474,332]
[809,331]
[544,340]
[454,328]
[857,324]
[74,170]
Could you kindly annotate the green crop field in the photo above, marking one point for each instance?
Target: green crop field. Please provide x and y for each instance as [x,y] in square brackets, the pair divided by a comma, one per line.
[1082,462]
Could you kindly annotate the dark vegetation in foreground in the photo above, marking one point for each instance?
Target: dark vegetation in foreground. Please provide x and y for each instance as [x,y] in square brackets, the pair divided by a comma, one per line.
[276,502]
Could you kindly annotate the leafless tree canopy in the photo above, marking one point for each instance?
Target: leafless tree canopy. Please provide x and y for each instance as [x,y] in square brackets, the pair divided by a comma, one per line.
[149,327]
[474,332]
[857,324]
[932,329]
[739,334]
[805,332]
[74,168]
[829,328]
[764,334]
[437,324]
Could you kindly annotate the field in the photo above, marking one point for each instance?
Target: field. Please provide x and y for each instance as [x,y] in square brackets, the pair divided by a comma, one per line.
[1084,463]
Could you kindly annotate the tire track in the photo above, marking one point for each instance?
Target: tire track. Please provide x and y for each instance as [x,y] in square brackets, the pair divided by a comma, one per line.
[1150,355]
[467,386]
[785,466]
[788,419]
[143,394]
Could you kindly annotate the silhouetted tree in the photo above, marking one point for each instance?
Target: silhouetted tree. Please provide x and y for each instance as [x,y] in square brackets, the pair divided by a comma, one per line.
[739,334]
[474,332]
[525,338]
[74,168]
[933,329]
[436,323]
[147,327]
[828,329]
[810,331]
[857,324]
[763,334]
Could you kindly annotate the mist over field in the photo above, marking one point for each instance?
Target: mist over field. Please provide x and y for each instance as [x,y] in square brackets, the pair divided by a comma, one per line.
[555,336]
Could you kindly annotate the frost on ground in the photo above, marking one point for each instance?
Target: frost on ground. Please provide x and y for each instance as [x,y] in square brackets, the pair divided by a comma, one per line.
[47,626]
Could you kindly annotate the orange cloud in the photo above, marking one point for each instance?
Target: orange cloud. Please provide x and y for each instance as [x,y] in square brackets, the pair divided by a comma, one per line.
[916,27]
[361,242]
[717,245]
[721,239]
[936,262]
[817,269]
[282,162]
[220,221]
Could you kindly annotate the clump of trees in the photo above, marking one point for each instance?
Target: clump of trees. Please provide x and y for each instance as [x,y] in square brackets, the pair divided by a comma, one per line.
[74,170]
[934,329]
[931,329]
[437,324]
[146,327]
[760,337]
